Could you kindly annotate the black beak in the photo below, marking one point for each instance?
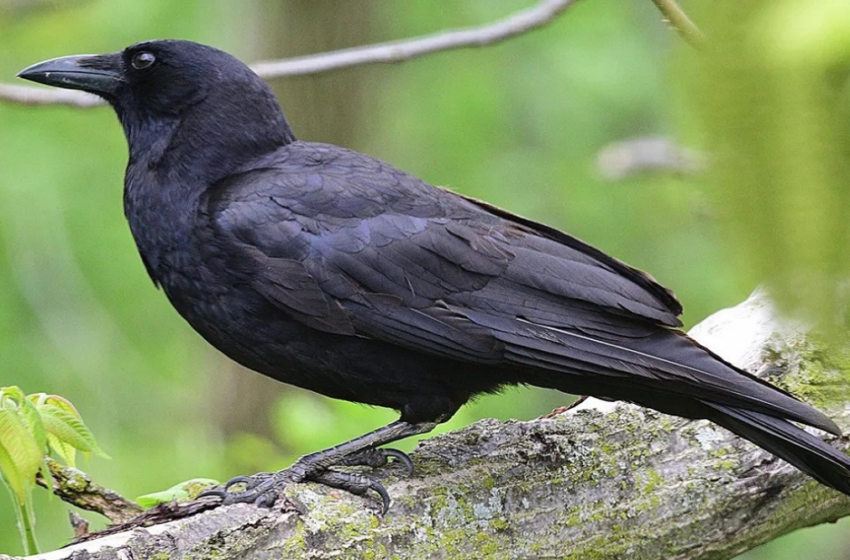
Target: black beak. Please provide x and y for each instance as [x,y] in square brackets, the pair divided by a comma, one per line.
[101,74]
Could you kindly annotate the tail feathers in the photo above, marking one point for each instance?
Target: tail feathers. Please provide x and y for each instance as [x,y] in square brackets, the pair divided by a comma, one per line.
[805,451]
[663,364]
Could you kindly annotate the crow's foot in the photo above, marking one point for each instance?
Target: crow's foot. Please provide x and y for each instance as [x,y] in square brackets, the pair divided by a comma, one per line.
[263,489]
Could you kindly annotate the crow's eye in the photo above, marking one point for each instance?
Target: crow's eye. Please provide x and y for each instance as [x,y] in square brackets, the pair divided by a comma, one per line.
[142,60]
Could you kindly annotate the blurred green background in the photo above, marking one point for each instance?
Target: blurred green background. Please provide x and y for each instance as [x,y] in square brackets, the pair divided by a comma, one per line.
[520,124]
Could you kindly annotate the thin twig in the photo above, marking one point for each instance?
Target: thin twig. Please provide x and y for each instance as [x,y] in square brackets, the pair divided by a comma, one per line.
[26,95]
[679,20]
[396,51]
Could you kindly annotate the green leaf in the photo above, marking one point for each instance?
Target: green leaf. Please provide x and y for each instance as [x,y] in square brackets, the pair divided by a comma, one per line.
[22,452]
[41,399]
[12,393]
[69,428]
[65,451]
[21,493]
[32,418]
[183,491]
[12,477]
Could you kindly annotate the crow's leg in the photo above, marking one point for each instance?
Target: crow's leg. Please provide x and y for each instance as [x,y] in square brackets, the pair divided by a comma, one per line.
[264,488]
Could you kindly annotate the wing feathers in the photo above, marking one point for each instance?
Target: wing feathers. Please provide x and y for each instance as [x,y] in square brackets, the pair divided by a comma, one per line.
[387,318]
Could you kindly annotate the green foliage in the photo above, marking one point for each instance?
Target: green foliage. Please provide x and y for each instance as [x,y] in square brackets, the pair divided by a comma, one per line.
[32,427]
[773,90]
[23,443]
[187,490]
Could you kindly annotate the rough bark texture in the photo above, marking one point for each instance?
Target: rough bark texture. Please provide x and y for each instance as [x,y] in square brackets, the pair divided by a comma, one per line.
[600,481]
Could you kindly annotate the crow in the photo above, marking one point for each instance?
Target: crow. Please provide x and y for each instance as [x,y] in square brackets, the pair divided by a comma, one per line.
[336,272]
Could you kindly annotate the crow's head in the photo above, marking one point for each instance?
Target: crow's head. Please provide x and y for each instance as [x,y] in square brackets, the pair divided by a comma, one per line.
[166,89]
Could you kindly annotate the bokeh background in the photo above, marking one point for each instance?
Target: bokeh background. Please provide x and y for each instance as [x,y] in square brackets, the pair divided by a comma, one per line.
[528,124]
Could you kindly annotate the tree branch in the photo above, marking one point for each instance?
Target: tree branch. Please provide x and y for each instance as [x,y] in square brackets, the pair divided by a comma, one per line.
[602,480]
[77,488]
[514,25]
[679,20]
[27,95]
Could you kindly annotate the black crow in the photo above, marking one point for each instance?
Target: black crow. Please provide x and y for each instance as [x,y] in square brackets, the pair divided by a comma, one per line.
[333,271]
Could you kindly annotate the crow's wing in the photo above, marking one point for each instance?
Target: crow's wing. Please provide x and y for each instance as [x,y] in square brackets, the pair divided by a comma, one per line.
[346,244]
[329,229]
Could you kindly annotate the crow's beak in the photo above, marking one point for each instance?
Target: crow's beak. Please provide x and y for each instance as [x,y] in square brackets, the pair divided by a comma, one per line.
[101,74]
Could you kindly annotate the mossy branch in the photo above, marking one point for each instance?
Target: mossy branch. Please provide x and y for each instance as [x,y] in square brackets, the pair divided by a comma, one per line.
[77,488]
[602,480]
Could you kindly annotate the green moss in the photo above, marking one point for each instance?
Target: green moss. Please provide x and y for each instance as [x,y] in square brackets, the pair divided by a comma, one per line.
[375,552]
[296,545]
[819,373]
[500,524]
[76,481]
[486,545]
[487,482]
[653,480]
[728,464]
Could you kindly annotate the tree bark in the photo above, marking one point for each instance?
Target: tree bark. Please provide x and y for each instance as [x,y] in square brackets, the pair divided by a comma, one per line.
[603,480]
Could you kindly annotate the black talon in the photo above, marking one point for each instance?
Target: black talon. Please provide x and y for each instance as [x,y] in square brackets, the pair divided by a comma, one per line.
[356,484]
[266,499]
[257,490]
[381,491]
[214,492]
[402,458]
[377,458]
[248,481]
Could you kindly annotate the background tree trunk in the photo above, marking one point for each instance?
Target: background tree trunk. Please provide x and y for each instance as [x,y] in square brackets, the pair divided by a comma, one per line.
[321,108]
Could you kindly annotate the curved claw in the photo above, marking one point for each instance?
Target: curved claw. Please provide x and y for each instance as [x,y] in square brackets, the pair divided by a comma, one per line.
[356,484]
[264,488]
[248,481]
[214,492]
[266,499]
[377,458]
[378,488]
[259,490]
[402,458]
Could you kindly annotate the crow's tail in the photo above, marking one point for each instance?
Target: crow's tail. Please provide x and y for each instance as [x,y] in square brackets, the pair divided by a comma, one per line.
[805,451]
[666,370]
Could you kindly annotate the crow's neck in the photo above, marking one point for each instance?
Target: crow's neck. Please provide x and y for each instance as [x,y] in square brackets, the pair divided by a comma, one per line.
[202,151]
